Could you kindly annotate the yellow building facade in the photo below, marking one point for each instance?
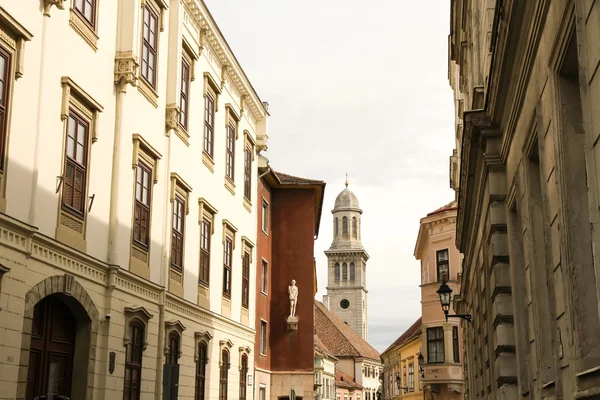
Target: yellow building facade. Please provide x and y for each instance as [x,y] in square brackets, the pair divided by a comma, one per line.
[401,376]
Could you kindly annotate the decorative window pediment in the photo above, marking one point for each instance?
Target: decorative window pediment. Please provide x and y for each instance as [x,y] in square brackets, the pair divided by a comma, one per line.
[212,88]
[74,96]
[249,142]
[181,188]
[224,345]
[173,326]
[201,337]
[229,230]
[141,314]
[233,118]
[244,350]
[207,211]
[142,150]
[14,35]
[247,246]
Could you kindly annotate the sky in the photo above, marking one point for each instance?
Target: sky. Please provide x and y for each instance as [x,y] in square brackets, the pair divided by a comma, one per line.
[360,88]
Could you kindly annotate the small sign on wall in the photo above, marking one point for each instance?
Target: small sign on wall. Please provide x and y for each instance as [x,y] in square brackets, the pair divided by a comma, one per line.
[249,380]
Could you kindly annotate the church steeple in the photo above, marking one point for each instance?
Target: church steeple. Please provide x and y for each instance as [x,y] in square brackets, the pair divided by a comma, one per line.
[347,261]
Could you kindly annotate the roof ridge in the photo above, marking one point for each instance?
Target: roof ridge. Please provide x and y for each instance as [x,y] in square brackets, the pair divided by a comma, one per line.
[408,334]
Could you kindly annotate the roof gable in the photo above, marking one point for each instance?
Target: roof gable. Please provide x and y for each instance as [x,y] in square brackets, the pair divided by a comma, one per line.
[412,332]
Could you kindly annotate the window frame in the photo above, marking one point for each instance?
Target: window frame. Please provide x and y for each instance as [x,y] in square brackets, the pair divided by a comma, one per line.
[186,79]
[200,376]
[263,337]
[345,226]
[455,345]
[243,377]
[81,13]
[442,263]
[84,167]
[248,173]
[246,280]
[178,232]
[174,340]
[139,204]
[337,272]
[411,377]
[5,104]
[224,374]
[264,277]
[352,272]
[230,150]
[265,216]
[151,48]
[227,266]
[134,323]
[205,248]
[209,127]
[430,341]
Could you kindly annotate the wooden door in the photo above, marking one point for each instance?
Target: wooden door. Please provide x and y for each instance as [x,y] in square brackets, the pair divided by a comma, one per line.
[52,347]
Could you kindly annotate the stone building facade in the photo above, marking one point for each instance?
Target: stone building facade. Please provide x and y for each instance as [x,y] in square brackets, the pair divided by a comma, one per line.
[526,171]
[440,261]
[128,143]
[347,265]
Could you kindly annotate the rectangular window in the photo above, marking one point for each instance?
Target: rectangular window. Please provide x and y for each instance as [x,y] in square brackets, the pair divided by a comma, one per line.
[227,257]
[76,164]
[149,45]
[246,280]
[209,124]
[230,153]
[263,337]
[262,393]
[177,234]
[141,222]
[443,270]
[411,377]
[248,173]
[201,371]
[264,277]
[205,232]
[184,94]
[265,216]
[435,345]
[87,10]
[5,80]
[455,348]
[133,361]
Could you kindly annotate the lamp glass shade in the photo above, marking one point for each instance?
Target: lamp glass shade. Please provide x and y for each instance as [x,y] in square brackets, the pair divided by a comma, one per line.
[421,360]
[445,294]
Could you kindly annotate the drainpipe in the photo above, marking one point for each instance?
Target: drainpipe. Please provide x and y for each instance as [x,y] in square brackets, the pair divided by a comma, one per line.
[113,219]
[164,268]
[38,126]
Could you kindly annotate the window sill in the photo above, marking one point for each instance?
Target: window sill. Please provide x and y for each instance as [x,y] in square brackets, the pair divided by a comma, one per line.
[182,134]
[83,29]
[148,91]
[229,185]
[208,161]
[247,204]
[264,293]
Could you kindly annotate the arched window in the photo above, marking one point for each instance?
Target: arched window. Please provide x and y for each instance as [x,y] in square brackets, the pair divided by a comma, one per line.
[337,271]
[352,272]
[223,376]
[345,272]
[133,361]
[243,374]
[201,371]
[345,226]
[336,227]
[173,354]
[354,228]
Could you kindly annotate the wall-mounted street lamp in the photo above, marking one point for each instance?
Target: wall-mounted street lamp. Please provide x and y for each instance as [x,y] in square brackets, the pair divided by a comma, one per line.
[421,365]
[398,384]
[445,294]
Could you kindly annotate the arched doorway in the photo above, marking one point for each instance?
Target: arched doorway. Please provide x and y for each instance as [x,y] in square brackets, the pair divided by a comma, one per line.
[53,336]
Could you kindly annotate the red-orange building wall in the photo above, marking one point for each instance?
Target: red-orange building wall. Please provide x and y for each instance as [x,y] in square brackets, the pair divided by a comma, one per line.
[263,252]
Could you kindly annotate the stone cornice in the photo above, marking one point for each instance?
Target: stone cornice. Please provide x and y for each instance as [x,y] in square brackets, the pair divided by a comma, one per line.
[215,38]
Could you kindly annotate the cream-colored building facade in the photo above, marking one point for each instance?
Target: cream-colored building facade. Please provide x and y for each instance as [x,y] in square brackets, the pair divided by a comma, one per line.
[128,140]
[440,261]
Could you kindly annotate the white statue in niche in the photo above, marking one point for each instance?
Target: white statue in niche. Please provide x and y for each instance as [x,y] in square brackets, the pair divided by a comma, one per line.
[293,290]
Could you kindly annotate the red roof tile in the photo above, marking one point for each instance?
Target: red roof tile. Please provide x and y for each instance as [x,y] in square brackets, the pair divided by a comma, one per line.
[286,179]
[338,337]
[345,381]
[448,207]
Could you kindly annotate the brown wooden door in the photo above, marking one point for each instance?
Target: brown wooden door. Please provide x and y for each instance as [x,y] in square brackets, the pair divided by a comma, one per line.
[52,347]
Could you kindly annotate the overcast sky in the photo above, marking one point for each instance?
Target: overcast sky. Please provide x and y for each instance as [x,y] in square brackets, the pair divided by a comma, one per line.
[357,87]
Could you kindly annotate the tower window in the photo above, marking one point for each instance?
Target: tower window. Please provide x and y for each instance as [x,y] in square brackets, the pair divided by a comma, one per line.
[337,272]
[345,226]
[336,227]
[345,303]
[345,272]
[354,228]
[443,270]
[352,272]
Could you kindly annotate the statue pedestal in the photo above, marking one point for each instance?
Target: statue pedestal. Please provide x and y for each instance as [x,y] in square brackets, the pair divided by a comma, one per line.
[292,323]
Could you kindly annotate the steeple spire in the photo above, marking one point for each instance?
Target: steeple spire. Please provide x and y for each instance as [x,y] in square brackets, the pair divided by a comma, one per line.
[346,179]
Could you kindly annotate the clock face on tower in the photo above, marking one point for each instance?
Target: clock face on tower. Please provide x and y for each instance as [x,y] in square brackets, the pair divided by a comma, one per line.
[345,304]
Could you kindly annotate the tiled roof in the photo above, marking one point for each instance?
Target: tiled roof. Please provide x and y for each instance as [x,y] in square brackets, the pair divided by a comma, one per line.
[322,349]
[338,337]
[286,179]
[448,207]
[345,381]
[412,332]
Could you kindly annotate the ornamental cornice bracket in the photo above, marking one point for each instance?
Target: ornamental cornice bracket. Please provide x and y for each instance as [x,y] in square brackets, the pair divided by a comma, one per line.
[125,70]
[494,162]
[172,117]
[60,4]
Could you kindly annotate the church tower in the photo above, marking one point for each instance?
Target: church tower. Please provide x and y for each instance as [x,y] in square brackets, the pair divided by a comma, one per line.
[346,265]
